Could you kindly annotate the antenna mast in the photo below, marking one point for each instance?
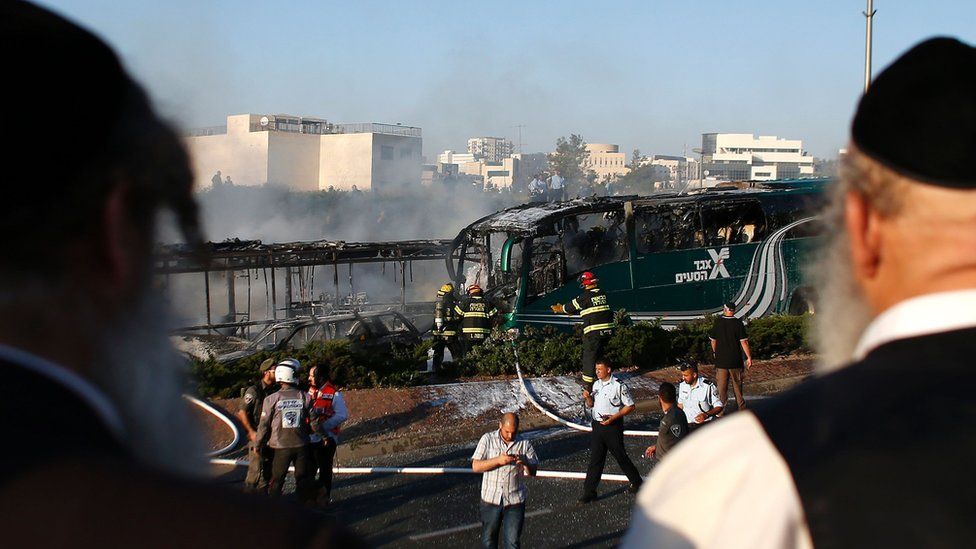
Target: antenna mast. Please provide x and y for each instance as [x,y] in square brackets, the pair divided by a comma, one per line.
[869,16]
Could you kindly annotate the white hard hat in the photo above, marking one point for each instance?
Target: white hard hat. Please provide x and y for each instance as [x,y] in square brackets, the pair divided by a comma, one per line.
[291,363]
[284,374]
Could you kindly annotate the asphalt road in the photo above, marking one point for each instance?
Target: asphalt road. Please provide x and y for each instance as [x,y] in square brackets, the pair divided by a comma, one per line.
[415,511]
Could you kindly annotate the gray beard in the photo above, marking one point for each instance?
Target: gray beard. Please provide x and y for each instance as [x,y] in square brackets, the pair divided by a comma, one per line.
[842,312]
[145,378]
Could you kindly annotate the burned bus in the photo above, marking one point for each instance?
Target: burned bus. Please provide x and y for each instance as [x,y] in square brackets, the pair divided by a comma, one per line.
[669,256]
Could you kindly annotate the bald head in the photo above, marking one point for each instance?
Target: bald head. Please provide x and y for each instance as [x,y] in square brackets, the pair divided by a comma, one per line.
[508,426]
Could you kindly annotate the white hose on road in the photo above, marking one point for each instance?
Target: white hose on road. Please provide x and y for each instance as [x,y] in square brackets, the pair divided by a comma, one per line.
[222,417]
[564,421]
[429,471]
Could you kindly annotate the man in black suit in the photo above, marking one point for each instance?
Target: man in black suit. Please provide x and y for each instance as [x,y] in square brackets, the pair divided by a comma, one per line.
[877,451]
[98,446]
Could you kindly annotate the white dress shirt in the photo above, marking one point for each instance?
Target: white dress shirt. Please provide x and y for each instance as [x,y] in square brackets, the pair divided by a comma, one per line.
[727,486]
[609,397]
[698,398]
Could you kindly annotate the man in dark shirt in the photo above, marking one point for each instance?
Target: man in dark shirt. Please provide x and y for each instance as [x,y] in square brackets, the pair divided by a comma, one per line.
[729,341]
[258,470]
[674,424]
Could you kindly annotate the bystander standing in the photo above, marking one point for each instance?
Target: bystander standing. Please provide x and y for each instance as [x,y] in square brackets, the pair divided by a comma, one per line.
[729,342]
[505,459]
[557,187]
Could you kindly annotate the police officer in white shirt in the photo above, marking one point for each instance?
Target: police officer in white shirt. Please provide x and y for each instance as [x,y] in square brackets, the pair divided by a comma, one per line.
[610,401]
[698,396]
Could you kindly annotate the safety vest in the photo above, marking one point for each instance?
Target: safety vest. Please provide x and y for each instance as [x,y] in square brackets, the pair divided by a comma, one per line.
[475,315]
[322,407]
[445,310]
[593,307]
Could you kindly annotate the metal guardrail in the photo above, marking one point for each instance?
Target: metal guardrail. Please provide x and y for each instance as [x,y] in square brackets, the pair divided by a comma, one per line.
[386,129]
[209,130]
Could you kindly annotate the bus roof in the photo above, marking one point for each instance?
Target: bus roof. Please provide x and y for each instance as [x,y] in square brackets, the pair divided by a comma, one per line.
[528,219]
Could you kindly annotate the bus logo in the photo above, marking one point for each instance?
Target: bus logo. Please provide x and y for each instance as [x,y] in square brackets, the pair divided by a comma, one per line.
[706,269]
[718,263]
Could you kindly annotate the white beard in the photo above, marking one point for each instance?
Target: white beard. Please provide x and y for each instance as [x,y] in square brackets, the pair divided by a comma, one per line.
[145,377]
[842,312]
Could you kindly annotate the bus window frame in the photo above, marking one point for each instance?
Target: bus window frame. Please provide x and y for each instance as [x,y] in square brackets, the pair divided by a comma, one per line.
[621,224]
[729,204]
[694,211]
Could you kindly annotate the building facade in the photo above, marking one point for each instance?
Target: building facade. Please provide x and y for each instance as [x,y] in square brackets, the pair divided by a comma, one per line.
[451,157]
[743,156]
[494,174]
[606,160]
[678,169]
[307,154]
[490,149]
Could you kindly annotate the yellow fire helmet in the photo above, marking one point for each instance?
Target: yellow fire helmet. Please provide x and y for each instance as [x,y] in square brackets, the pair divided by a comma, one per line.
[447,288]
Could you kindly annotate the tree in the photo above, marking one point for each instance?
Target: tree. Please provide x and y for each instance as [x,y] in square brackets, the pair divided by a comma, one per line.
[641,176]
[636,159]
[570,159]
[823,167]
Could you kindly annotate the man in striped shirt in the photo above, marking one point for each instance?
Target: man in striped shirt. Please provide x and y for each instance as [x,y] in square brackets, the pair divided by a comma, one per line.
[505,459]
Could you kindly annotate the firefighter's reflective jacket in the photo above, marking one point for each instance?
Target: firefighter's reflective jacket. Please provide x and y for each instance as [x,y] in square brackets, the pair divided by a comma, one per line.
[593,307]
[475,314]
[445,317]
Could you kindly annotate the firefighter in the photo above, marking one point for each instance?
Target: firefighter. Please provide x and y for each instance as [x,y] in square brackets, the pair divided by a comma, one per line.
[476,316]
[445,325]
[598,324]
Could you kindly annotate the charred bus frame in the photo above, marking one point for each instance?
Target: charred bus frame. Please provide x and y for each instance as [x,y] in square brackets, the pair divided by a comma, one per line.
[299,260]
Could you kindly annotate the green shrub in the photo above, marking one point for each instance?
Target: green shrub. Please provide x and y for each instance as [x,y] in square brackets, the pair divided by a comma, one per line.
[545,351]
[779,335]
[643,344]
[689,341]
[401,367]
[218,380]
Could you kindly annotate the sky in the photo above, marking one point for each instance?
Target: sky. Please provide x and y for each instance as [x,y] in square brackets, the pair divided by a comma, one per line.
[649,74]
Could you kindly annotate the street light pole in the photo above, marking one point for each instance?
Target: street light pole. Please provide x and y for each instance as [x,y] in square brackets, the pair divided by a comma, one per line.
[869,16]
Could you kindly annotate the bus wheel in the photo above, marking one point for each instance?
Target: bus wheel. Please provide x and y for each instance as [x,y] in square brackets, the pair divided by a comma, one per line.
[800,303]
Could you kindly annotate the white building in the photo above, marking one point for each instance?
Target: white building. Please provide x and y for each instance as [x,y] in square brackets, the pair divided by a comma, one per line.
[498,174]
[451,157]
[679,169]
[606,160]
[307,154]
[742,156]
[490,149]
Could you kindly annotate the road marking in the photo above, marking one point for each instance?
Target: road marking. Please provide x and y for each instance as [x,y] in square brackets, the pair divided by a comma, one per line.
[466,527]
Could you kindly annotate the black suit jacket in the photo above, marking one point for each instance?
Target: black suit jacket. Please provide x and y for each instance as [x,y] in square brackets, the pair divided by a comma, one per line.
[882,452]
[65,481]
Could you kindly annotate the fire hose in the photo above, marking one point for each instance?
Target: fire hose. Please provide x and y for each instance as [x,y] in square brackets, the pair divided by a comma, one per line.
[561,420]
